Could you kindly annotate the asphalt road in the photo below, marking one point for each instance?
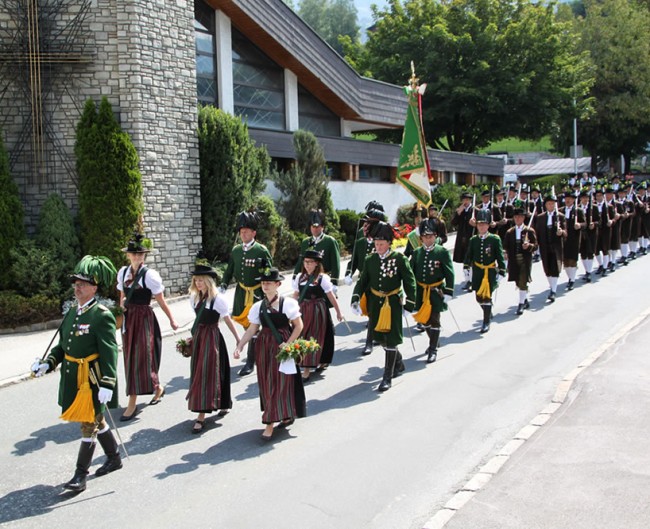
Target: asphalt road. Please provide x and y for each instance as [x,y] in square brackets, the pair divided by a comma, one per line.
[359,460]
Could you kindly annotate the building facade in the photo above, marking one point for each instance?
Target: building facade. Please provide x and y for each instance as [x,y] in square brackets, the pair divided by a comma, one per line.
[156,61]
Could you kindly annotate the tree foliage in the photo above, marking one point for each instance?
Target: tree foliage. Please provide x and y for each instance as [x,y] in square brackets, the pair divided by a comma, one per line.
[110,184]
[493,69]
[12,229]
[331,19]
[615,33]
[304,185]
[232,172]
[56,233]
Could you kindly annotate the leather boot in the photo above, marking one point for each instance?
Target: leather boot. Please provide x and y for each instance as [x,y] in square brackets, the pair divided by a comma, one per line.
[399,365]
[250,359]
[432,350]
[368,347]
[113,459]
[391,356]
[78,481]
[487,313]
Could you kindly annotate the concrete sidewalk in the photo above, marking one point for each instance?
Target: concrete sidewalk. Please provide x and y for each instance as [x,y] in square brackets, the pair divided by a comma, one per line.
[583,462]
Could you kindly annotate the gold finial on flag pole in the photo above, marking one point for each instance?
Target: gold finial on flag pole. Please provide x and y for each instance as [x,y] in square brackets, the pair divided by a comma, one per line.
[413,82]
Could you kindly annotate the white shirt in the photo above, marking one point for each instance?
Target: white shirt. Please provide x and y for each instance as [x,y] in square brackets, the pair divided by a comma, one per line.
[152,280]
[220,305]
[290,309]
[325,283]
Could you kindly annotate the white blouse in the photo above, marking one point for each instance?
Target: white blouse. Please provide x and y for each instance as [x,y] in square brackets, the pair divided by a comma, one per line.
[152,280]
[220,305]
[290,309]
[326,283]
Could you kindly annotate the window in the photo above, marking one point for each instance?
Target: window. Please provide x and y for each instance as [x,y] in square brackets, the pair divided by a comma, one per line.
[258,85]
[206,72]
[374,173]
[316,117]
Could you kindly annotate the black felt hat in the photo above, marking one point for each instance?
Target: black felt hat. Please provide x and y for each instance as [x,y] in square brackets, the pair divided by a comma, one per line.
[483,215]
[382,231]
[429,227]
[518,211]
[550,198]
[204,270]
[373,204]
[373,215]
[136,245]
[316,217]
[313,254]
[270,274]
[247,219]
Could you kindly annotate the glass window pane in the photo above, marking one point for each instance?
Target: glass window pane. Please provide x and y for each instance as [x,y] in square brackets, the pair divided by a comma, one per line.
[252,75]
[255,97]
[262,119]
[204,42]
[206,88]
[204,65]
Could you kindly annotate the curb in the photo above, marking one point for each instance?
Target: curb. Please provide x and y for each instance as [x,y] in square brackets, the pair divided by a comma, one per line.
[490,469]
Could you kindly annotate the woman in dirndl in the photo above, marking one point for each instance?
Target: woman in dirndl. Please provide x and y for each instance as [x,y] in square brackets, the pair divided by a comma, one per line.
[282,396]
[210,368]
[312,288]
[141,337]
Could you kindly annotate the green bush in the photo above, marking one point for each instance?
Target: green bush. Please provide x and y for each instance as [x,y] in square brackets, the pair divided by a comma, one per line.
[287,248]
[449,193]
[232,173]
[11,217]
[36,270]
[110,184]
[16,310]
[270,222]
[56,233]
[349,221]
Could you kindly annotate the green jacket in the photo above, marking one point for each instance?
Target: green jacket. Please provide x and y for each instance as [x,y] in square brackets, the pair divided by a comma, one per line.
[244,267]
[386,275]
[362,249]
[430,267]
[485,252]
[331,256]
[82,335]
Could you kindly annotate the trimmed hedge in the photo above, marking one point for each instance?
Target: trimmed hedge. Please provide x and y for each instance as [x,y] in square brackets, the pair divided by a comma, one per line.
[16,310]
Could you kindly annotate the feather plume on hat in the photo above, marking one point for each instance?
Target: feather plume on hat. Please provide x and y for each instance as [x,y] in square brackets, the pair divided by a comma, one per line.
[96,270]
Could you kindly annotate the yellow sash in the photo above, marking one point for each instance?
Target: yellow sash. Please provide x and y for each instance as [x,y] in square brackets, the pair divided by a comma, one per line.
[242,319]
[363,304]
[383,322]
[82,408]
[422,316]
[484,290]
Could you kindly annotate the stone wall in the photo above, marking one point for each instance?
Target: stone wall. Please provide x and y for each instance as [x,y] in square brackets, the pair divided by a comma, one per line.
[141,57]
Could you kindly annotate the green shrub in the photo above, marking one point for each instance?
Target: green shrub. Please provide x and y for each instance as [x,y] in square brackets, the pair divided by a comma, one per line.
[56,233]
[16,310]
[12,229]
[287,248]
[36,270]
[232,173]
[449,193]
[349,221]
[110,184]
[270,222]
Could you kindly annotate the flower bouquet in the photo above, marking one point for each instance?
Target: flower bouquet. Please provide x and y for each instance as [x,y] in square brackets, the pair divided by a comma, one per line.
[290,353]
[184,346]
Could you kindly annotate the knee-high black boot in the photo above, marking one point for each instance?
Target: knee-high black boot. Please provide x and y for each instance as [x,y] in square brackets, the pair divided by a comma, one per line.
[78,481]
[250,359]
[113,459]
[487,313]
[399,364]
[432,350]
[368,347]
[391,356]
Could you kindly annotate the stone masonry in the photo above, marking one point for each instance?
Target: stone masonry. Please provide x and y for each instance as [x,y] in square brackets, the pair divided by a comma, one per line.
[141,57]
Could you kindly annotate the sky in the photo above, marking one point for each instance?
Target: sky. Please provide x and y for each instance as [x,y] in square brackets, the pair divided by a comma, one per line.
[363,11]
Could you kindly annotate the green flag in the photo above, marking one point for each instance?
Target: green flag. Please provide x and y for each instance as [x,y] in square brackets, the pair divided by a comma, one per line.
[413,170]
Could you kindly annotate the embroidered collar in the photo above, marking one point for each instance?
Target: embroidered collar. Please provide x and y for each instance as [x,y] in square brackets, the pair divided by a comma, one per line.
[382,257]
[318,239]
[86,306]
[248,245]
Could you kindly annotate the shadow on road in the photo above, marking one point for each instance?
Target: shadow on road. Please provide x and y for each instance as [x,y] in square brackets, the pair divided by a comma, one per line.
[61,433]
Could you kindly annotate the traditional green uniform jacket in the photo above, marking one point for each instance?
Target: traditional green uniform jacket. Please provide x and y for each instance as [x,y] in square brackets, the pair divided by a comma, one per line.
[362,248]
[244,266]
[388,275]
[331,255]
[82,335]
[431,266]
[485,251]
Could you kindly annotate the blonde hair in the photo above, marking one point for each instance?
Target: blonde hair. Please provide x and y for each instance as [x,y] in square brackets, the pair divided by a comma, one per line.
[209,282]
